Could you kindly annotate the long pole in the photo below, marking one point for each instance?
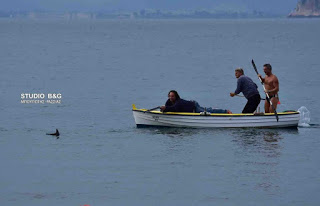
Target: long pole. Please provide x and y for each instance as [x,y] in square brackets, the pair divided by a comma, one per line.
[153,109]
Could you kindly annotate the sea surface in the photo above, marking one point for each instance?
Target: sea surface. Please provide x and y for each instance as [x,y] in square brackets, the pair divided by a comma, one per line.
[102,67]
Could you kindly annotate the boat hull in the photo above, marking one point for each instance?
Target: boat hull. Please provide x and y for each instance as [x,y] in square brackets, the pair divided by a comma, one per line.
[194,120]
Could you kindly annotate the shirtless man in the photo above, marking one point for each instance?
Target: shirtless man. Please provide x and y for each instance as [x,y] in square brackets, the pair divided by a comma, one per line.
[271,84]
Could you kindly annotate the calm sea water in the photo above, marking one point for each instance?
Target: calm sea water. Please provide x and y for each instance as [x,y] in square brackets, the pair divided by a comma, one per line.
[102,67]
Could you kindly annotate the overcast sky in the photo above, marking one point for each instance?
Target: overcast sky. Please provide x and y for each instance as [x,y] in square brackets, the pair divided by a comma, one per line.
[276,6]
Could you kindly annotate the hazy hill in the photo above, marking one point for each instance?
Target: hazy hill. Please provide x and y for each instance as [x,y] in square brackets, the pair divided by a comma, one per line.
[307,8]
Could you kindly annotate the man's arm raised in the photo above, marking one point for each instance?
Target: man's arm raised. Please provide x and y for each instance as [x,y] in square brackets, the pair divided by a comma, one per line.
[262,79]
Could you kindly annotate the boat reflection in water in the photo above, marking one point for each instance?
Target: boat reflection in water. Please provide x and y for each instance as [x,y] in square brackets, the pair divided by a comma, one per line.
[258,156]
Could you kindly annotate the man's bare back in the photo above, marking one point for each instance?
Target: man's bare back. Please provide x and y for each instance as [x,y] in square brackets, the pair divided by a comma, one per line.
[271,84]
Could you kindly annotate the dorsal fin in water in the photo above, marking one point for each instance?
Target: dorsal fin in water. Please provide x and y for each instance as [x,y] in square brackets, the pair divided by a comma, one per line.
[57,133]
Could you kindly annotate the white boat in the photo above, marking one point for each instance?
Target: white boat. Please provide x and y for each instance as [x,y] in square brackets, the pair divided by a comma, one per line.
[144,118]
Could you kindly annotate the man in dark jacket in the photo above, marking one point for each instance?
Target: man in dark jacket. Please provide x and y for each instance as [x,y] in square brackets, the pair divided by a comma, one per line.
[176,104]
[249,90]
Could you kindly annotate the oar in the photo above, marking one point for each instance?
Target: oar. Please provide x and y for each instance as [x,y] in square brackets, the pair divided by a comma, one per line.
[153,109]
[264,89]
[244,96]
[238,95]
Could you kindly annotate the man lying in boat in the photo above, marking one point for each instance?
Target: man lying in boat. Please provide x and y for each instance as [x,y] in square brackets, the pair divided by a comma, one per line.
[176,104]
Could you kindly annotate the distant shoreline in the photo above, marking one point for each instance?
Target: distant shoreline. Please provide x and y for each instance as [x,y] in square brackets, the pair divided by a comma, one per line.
[142,14]
[146,18]
[150,19]
[303,17]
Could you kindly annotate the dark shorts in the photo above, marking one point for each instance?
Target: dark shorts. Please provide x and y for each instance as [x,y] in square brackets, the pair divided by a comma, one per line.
[271,96]
[252,104]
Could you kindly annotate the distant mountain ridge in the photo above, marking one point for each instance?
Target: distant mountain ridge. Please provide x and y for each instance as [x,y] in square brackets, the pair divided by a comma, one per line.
[307,8]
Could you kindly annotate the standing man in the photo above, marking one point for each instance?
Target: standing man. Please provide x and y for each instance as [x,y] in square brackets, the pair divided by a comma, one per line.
[249,90]
[271,84]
